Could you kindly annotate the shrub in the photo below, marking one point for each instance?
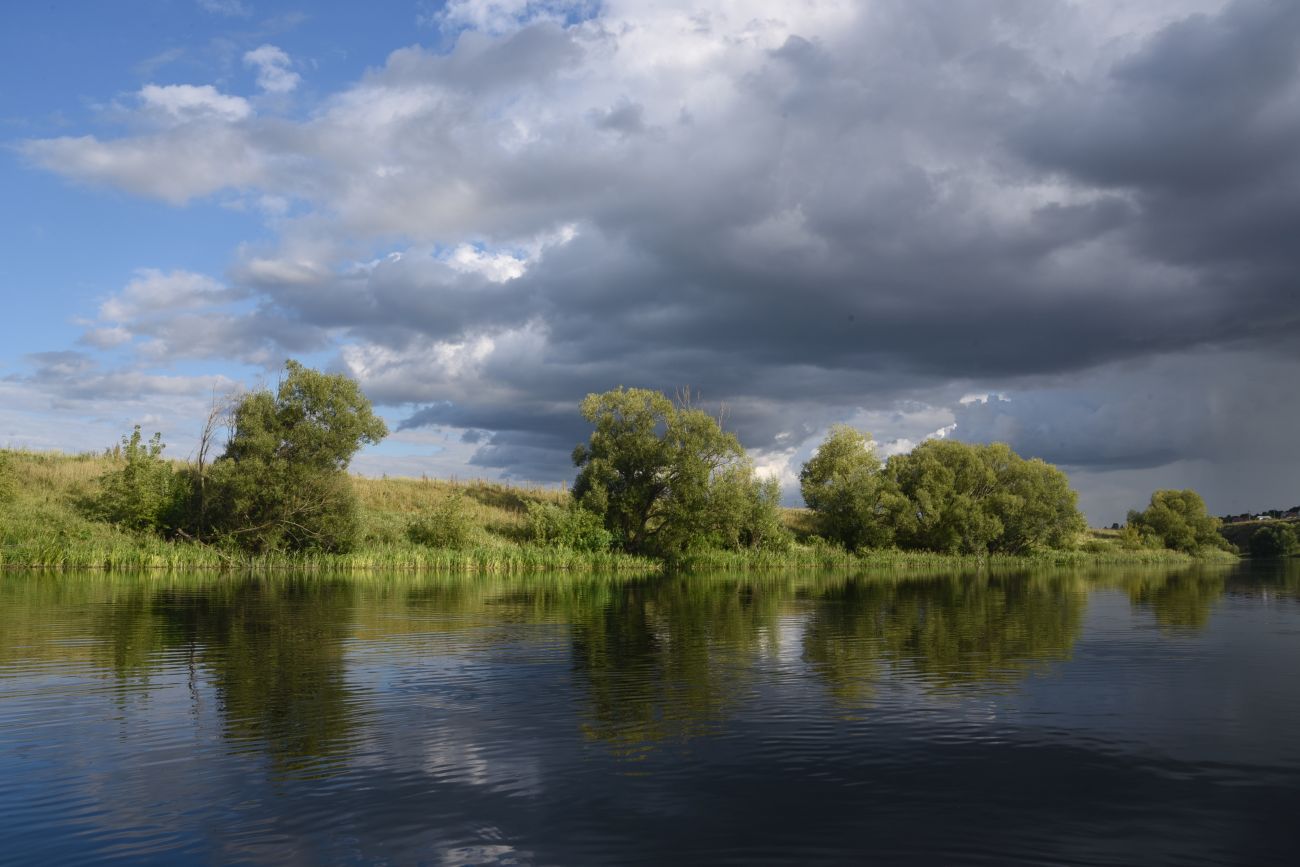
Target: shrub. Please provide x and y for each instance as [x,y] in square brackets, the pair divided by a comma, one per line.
[568,526]
[1131,538]
[447,525]
[141,494]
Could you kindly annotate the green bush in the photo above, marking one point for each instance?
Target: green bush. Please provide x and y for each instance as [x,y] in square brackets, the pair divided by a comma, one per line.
[447,525]
[141,494]
[1273,540]
[568,526]
[745,511]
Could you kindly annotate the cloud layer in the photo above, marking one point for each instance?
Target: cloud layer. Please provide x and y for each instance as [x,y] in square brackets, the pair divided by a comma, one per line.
[809,211]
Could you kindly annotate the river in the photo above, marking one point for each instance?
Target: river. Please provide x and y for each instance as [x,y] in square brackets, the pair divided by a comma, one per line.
[1108,716]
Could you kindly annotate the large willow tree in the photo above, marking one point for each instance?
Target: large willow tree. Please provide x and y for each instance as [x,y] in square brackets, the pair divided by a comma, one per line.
[665,476]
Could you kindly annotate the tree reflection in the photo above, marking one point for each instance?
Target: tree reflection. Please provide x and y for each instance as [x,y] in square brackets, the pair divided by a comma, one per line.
[666,660]
[274,653]
[1179,600]
[948,631]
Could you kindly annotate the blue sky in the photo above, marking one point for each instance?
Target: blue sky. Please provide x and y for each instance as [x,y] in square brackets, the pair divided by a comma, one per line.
[1055,224]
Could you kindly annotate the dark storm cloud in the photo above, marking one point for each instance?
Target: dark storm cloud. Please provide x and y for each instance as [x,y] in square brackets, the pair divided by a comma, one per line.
[806,219]
[869,226]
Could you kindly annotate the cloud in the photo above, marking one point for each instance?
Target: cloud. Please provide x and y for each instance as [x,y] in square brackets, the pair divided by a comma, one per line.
[273,72]
[152,291]
[811,211]
[187,102]
[166,317]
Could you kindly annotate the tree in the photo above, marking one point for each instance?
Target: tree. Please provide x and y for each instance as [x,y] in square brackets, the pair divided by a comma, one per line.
[141,493]
[945,483]
[745,510]
[281,482]
[1274,540]
[1033,502]
[1178,520]
[650,468]
[977,499]
[843,484]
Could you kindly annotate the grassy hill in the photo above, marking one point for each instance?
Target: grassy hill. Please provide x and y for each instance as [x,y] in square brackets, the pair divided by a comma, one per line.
[44,526]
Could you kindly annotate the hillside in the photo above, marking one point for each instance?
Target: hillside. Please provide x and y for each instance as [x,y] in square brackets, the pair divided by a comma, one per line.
[1239,532]
[45,524]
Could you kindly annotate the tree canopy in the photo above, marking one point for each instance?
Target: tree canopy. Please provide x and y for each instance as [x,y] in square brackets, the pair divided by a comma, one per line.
[944,496]
[844,485]
[1177,520]
[664,476]
[282,480]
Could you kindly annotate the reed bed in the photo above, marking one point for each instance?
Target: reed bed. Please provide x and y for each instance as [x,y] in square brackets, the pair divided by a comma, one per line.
[830,558]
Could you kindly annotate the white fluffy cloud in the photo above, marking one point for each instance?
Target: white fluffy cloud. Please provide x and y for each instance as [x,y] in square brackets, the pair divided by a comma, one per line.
[153,292]
[188,102]
[274,74]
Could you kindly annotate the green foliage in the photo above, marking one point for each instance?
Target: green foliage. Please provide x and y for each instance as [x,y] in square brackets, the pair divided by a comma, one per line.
[843,483]
[282,483]
[140,494]
[649,469]
[745,511]
[1033,502]
[976,499]
[1178,520]
[569,526]
[1274,540]
[1132,538]
[448,525]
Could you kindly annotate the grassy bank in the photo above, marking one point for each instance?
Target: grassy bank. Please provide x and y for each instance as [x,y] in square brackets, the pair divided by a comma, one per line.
[44,528]
[825,557]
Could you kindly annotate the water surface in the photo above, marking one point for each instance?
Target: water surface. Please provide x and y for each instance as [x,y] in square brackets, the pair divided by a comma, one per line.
[1085,717]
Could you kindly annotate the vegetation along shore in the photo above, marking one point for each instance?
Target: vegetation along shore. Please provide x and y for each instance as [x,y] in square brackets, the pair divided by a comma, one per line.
[660,485]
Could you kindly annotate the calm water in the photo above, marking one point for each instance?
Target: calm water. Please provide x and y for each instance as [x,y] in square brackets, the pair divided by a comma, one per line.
[1112,717]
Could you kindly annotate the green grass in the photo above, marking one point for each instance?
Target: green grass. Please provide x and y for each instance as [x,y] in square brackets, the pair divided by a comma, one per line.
[830,558]
[43,528]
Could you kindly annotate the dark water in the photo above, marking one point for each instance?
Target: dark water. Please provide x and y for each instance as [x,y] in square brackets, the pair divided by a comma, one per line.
[1112,717]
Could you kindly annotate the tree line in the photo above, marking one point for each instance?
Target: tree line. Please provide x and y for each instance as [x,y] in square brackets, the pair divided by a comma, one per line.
[657,476]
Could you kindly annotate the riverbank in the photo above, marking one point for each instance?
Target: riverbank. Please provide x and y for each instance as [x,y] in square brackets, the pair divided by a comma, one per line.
[43,527]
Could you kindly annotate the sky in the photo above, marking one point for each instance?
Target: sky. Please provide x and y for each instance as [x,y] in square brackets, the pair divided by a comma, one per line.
[1069,226]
